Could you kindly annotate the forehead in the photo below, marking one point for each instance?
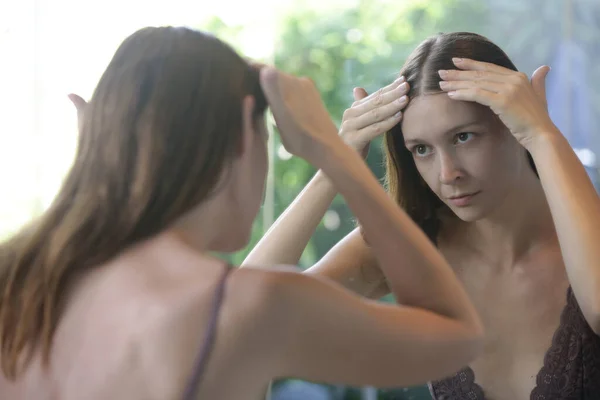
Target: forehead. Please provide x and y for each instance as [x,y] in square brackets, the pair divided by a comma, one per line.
[429,116]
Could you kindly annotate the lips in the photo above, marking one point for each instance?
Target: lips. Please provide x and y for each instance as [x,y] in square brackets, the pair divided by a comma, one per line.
[461,196]
[462,200]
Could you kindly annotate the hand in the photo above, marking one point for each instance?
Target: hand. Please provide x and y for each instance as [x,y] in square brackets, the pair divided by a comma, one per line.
[371,116]
[520,104]
[80,104]
[305,127]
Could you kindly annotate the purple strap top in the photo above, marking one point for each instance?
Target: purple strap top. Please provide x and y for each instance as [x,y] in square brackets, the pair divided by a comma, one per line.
[207,344]
[571,368]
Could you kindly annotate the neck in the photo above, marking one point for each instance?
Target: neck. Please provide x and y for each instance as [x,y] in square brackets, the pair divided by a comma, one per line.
[205,228]
[520,225]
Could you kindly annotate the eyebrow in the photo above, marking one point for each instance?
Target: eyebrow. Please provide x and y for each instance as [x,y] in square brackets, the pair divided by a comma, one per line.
[455,129]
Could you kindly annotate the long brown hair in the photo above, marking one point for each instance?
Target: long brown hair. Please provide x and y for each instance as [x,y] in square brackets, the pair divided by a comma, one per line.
[162,125]
[402,178]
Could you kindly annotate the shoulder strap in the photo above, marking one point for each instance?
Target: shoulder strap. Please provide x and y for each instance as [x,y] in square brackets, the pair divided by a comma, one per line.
[207,345]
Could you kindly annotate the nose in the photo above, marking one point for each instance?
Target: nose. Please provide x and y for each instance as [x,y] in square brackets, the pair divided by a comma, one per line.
[450,170]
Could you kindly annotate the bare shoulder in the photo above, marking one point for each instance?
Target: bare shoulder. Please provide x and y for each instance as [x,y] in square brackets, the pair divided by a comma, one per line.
[251,325]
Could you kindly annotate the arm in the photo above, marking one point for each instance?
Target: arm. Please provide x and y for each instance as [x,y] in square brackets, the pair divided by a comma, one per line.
[575,208]
[350,262]
[368,117]
[287,238]
[331,335]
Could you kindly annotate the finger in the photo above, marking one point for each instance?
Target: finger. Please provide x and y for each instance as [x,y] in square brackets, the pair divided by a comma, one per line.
[77,101]
[490,86]
[269,81]
[472,65]
[471,75]
[538,82]
[381,91]
[359,93]
[377,115]
[379,128]
[379,101]
[476,95]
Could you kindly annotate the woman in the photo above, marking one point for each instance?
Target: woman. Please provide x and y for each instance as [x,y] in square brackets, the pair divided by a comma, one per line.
[477,163]
[113,293]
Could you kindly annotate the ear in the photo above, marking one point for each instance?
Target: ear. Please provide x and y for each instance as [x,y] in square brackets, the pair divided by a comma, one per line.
[248,126]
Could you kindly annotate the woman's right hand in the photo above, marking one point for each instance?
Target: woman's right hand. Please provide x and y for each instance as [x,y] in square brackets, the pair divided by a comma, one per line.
[305,127]
[371,116]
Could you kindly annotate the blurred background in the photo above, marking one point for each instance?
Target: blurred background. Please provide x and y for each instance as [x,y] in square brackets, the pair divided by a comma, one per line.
[49,48]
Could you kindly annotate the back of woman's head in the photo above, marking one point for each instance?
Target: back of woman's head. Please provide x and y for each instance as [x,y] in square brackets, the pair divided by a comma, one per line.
[403,181]
[163,124]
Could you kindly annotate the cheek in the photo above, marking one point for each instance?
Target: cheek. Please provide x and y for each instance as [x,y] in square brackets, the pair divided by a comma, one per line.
[492,161]
[480,164]
[430,174]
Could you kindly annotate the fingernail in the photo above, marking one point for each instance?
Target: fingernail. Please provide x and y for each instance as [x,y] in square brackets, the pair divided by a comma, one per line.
[443,84]
[403,85]
[401,79]
[442,73]
[457,60]
[398,114]
[402,99]
[452,93]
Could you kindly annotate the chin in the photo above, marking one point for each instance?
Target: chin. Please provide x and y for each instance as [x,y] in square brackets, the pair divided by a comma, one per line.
[469,214]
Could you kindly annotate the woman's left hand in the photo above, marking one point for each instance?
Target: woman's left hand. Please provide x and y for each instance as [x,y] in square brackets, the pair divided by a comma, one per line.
[520,104]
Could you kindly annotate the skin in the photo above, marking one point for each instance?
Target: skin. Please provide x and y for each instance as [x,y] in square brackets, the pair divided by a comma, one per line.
[132,327]
[516,246]
[492,261]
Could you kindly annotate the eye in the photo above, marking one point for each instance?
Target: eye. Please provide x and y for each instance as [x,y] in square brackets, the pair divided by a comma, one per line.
[420,150]
[464,137]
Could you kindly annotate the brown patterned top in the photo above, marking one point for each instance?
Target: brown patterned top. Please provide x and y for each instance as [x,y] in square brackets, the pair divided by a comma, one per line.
[571,368]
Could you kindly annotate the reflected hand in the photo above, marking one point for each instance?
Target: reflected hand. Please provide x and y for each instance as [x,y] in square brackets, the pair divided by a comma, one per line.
[519,103]
[371,116]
